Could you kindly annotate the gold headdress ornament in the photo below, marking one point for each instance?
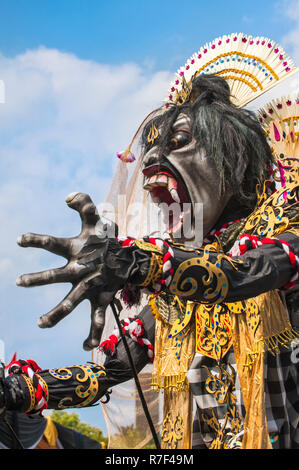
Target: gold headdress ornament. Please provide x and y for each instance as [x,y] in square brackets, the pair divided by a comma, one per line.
[280,120]
[251,66]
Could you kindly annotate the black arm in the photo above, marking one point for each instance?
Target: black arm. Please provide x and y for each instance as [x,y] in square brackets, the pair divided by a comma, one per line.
[208,276]
[82,385]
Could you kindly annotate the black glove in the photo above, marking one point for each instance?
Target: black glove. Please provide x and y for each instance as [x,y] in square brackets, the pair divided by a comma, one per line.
[98,267]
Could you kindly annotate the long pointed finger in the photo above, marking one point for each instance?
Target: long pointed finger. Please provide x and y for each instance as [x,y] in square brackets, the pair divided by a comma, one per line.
[66,306]
[99,306]
[96,327]
[59,246]
[68,273]
[83,204]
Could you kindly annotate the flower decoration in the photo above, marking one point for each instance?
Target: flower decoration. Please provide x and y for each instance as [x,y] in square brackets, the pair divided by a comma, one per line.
[127,156]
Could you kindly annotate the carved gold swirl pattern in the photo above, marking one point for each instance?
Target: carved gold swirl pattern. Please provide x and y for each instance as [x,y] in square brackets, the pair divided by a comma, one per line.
[226,439]
[269,218]
[88,388]
[202,274]
[153,134]
[213,331]
[172,430]
[221,384]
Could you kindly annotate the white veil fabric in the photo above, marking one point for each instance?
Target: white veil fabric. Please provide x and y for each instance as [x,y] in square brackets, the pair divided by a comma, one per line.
[129,206]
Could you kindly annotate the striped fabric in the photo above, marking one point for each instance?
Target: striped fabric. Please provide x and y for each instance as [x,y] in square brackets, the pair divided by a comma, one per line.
[207,403]
[281,396]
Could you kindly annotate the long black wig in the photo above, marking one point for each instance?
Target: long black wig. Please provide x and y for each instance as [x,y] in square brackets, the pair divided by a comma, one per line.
[228,134]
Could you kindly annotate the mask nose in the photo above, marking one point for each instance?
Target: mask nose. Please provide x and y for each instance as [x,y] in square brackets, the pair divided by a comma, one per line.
[152,158]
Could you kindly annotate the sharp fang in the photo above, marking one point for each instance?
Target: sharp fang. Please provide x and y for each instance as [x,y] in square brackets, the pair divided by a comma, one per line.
[172,184]
[174,195]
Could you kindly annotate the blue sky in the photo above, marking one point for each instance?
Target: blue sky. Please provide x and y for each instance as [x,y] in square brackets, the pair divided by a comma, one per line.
[79,77]
[162,32]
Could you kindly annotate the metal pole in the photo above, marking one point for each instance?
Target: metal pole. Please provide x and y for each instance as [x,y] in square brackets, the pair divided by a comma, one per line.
[13,433]
[138,386]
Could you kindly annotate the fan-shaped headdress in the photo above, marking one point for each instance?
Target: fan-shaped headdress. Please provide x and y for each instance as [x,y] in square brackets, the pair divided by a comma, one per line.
[251,66]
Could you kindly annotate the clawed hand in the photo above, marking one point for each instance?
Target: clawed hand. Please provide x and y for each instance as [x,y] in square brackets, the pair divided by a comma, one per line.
[93,268]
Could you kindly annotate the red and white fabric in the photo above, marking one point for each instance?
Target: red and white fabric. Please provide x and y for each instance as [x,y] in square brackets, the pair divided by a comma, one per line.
[217,232]
[30,368]
[134,329]
[167,256]
[248,242]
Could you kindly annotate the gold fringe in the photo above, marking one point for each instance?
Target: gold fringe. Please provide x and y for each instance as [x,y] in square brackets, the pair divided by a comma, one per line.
[174,382]
[270,344]
[153,306]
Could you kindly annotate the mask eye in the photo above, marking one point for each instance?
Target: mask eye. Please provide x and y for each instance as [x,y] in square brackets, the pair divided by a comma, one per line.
[178,140]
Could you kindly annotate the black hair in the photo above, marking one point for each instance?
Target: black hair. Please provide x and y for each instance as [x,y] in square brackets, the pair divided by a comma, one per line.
[230,135]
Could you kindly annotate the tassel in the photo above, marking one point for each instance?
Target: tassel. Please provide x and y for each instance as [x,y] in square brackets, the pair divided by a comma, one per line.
[174,382]
[284,339]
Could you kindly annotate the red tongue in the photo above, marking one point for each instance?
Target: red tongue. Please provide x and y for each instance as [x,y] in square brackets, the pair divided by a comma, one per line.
[162,193]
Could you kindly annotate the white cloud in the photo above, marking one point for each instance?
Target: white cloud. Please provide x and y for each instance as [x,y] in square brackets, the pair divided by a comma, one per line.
[61,125]
[290,41]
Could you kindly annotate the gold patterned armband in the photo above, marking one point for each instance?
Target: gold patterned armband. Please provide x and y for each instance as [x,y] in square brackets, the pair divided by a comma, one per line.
[155,271]
[82,382]
[31,392]
[202,278]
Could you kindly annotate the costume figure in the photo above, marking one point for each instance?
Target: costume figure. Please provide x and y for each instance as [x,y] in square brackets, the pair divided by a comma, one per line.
[222,314]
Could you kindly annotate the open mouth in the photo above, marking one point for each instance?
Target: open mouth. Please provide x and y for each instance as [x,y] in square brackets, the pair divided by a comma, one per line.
[169,193]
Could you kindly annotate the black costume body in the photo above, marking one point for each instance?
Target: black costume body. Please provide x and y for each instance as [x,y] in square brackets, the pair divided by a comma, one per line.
[262,269]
